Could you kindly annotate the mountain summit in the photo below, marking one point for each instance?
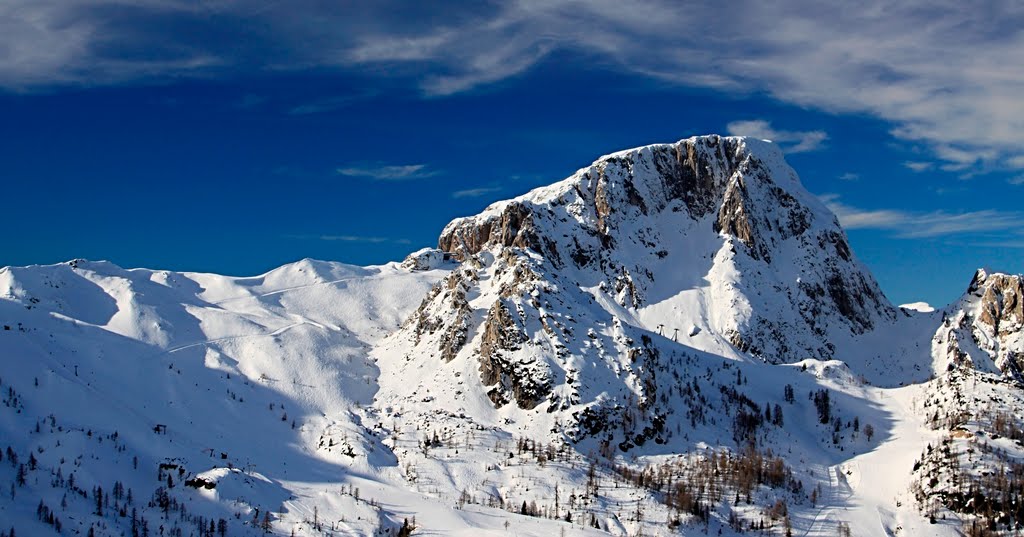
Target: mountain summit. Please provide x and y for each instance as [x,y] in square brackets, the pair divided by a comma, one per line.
[713,233]
[985,328]
[566,296]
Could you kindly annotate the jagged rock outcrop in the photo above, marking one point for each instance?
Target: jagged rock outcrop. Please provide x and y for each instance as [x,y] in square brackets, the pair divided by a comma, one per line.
[1001,308]
[527,383]
[444,312]
[618,218]
[426,259]
[710,241]
[985,329]
[513,228]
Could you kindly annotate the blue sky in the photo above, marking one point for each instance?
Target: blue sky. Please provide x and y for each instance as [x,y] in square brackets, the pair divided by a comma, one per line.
[236,136]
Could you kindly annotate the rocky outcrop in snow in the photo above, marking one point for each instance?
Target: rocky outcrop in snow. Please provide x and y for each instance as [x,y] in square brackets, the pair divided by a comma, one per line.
[985,328]
[711,239]
[426,259]
[444,314]
[1001,308]
[619,223]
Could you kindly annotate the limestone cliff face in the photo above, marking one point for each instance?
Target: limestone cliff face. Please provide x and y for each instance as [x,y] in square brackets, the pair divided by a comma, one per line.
[443,316]
[1001,308]
[985,328]
[998,320]
[506,378]
[512,227]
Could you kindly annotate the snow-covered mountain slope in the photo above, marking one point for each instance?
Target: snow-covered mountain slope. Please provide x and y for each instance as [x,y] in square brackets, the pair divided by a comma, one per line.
[234,380]
[674,340]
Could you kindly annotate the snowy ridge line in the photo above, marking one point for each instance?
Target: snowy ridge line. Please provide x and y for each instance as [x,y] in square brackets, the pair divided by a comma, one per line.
[284,290]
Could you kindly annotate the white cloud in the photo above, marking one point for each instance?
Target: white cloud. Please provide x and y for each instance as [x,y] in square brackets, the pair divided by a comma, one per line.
[918,166]
[940,73]
[941,223]
[368,239]
[849,176]
[908,224]
[1017,244]
[388,172]
[791,141]
[360,238]
[353,238]
[475,192]
[922,307]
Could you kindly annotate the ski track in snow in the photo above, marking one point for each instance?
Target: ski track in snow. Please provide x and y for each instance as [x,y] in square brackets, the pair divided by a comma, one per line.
[279,331]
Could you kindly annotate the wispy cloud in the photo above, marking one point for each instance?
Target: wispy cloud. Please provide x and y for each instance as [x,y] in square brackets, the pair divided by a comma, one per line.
[937,72]
[909,224]
[1019,180]
[359,238]
[918,166]
[388,172]
[1017,244]
[791,141]
[475,192]
[963,160]
[328,104]
[849,176]
[350,238]
[947,190]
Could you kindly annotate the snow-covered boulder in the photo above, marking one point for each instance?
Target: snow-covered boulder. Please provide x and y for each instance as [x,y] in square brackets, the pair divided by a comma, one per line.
[427,259]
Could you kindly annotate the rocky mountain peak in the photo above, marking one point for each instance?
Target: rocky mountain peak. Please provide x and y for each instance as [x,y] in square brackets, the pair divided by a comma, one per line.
[699,176]
[569,298]
[632,217]
[985,328]
[1001,306]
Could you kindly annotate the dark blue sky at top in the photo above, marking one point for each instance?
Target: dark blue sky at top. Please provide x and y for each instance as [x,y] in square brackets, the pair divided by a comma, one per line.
[237,172]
